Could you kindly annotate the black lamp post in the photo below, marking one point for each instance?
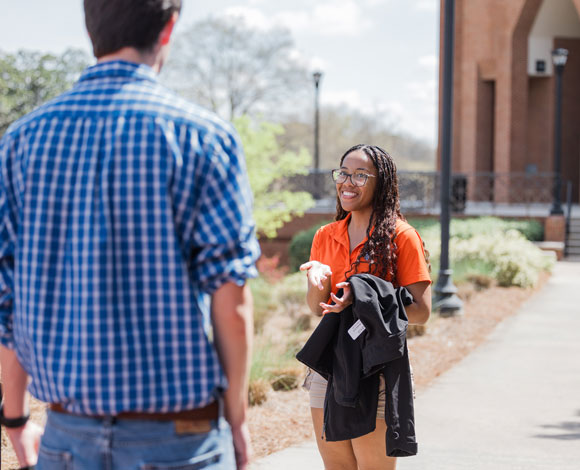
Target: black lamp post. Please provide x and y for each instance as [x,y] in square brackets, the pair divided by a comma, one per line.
[317,77]
[559,57]
[446,301]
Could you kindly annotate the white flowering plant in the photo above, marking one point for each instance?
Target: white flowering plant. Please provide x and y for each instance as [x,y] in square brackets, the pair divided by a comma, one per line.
[514,260]
[489,246]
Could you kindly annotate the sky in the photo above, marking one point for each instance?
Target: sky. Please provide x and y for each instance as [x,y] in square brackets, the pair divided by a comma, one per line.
[377,56]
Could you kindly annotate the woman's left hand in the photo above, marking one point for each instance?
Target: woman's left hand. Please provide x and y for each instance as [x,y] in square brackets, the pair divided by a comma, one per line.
[340,302]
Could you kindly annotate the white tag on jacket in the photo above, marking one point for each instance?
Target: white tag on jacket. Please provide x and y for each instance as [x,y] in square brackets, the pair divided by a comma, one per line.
[355,330]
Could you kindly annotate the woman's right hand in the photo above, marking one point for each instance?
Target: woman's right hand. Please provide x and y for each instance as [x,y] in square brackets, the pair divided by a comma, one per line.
[316,272]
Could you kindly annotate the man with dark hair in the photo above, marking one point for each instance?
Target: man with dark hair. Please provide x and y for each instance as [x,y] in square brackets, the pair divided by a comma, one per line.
[126,239]
[114,25]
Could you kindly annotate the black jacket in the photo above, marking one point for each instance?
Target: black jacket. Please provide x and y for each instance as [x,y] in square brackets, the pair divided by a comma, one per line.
[352,367]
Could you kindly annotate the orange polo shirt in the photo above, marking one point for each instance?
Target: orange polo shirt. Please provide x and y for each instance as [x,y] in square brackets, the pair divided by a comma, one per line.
[331,247]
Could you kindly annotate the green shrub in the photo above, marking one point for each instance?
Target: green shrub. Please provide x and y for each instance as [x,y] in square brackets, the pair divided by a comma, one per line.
[493,247]
[268,358]
[264,301]
[424,224]
[300,244]
[272,295]
[466,268]
[513,260]
[466,228]
[533,230]
[261,361]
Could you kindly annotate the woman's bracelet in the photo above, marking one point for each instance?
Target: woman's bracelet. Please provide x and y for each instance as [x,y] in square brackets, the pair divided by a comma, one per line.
[12,423]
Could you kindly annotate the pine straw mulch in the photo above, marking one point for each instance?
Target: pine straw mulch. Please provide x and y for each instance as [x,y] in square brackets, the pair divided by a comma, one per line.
[284,419]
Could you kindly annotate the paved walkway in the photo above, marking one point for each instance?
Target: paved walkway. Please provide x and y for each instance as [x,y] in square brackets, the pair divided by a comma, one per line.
[513,404]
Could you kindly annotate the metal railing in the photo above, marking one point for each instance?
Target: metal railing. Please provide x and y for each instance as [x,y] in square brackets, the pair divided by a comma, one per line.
[419,190]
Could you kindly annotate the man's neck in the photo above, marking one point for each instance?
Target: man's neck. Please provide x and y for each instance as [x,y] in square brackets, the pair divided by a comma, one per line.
[131,54]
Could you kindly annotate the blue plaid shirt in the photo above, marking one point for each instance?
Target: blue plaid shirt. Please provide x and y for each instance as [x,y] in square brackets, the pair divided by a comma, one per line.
[122,208]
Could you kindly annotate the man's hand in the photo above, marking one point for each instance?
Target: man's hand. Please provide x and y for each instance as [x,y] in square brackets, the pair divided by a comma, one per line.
[340,303]
[25,441]
[242,446]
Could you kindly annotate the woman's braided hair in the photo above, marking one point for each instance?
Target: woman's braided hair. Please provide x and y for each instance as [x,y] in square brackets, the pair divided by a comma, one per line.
[380,247]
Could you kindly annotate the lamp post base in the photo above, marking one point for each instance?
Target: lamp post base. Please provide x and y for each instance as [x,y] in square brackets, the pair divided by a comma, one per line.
[446,301]
[450,306]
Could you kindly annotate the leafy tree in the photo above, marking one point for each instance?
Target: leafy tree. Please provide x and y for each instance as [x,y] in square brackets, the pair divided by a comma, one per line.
[223,64]
[30,78]
[269,170]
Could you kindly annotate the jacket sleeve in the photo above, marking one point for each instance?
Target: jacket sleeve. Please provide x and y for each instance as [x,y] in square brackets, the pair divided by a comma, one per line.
[399,408]
[317,353]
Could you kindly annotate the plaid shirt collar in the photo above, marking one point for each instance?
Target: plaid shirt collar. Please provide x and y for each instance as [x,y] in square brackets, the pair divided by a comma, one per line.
[120,69]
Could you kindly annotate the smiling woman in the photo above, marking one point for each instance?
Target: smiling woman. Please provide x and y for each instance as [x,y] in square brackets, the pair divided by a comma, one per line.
[370,235]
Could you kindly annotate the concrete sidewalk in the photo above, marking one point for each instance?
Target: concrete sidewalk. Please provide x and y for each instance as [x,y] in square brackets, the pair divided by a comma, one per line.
[514,403]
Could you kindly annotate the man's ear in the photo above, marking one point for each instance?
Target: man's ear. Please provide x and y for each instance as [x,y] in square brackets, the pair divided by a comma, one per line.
[165,35]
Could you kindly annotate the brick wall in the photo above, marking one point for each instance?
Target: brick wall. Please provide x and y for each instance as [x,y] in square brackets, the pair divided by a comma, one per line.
[491,41]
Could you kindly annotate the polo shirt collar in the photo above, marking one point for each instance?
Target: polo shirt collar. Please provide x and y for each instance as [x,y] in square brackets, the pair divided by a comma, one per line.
[340,232]
[120,69]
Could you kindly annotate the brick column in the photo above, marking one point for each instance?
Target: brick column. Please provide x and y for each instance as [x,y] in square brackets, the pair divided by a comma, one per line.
[555,228]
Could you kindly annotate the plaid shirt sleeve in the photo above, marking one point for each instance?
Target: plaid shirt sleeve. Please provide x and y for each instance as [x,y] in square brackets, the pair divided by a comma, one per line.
[7,231]
[223,243]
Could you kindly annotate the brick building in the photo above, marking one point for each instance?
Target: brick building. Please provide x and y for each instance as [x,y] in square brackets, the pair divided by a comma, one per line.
[504,90]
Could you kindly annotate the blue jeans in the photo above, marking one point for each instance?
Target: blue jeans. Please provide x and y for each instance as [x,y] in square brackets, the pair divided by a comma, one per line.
[84,443]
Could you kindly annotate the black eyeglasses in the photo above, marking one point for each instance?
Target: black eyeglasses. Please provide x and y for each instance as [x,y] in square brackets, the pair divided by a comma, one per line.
[357,179]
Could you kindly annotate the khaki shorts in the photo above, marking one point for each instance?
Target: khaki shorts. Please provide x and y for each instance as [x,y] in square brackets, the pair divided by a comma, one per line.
[316,386]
